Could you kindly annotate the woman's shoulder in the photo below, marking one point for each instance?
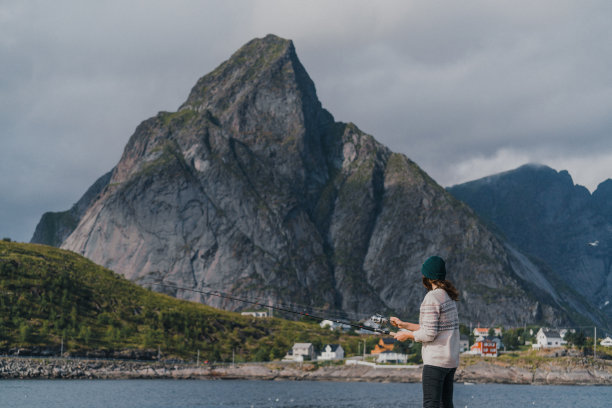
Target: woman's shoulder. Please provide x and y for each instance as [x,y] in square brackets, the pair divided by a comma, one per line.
[436,296]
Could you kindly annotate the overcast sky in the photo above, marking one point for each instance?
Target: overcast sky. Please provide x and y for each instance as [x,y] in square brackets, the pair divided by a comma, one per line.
[464,88]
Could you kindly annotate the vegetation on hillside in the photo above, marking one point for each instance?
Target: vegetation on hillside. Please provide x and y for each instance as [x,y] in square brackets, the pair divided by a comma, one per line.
[52,300]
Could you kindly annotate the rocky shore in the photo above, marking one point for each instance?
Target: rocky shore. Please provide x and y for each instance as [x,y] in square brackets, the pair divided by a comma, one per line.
[599,373]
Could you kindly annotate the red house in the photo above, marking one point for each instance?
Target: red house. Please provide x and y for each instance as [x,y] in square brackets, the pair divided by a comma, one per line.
[485,348]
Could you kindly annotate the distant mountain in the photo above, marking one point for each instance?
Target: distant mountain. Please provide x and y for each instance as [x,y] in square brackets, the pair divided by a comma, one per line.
[543,213]
[252,188]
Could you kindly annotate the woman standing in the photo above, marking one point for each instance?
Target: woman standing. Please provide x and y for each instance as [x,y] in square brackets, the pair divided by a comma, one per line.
[438,330]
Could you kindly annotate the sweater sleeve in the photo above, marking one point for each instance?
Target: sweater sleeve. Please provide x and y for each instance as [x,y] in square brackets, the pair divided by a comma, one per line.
[428,320]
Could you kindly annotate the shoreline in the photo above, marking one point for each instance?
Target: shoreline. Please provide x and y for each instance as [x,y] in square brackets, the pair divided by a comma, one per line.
[483,371]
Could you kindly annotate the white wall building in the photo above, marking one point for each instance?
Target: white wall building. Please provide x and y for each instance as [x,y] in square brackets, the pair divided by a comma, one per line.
[332,352]
[607,342]
[301,352]
[392,357]
[464,343]
[548,338]
[256,313]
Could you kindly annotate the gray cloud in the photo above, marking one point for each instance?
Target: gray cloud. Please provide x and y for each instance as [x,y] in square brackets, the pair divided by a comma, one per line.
[463,88]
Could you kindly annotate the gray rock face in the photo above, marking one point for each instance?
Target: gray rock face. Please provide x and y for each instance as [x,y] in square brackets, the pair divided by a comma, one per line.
[545,215]
[252,188]
[54,227]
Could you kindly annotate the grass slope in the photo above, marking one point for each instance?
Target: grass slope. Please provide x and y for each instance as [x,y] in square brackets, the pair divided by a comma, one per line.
[50,296]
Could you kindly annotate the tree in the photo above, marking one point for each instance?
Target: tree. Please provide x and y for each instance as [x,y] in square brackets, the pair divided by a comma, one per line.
[25,332]
[85,334]
[416,357]
[577,339]
[510,339]
[404,347]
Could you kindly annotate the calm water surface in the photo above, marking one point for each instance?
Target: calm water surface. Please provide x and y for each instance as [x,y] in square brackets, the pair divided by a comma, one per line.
[302,394]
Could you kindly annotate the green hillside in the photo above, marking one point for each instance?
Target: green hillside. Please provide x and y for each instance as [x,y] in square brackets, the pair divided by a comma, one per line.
[50,297]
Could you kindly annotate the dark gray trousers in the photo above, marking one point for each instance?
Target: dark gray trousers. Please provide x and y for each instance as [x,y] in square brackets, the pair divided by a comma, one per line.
[438,386]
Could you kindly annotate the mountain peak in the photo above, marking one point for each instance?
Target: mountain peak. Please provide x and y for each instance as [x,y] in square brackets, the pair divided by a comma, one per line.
[253,189]
[260,58]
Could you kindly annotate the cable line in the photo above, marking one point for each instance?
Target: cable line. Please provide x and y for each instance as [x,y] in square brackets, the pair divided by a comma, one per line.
[282,308]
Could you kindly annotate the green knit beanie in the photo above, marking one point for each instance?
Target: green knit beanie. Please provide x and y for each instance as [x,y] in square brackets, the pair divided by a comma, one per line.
[434,268]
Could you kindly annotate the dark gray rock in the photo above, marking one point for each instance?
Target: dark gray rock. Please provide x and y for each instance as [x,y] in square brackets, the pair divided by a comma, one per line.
[252,188]
[545,215]
[54,227]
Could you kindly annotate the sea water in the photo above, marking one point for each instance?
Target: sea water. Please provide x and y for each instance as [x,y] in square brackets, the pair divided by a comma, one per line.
[298,394]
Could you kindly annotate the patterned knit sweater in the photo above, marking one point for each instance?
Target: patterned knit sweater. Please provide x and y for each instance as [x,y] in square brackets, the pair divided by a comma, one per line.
[439,330]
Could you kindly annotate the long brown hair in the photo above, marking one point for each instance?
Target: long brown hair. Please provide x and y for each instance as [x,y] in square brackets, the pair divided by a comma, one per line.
[452,291]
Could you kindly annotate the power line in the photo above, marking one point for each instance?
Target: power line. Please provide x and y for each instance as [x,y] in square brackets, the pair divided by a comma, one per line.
[282,308]
[339,314]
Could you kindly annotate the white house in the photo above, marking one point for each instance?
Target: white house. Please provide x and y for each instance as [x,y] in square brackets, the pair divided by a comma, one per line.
[392,357]
[464,343]
[256,313]
[334,325]
[607,342]
[332,352]
[480,333]
[301,352]
[328,323]
[548,338]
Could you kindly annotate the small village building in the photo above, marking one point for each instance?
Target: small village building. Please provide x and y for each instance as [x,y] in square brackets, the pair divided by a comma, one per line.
[301,352]
[485,347]
[328,323]
[464,343]
[497,341]
[334,325]
[332,352]
[384,344]
[392,357]
[482,332]
[548,338]
[607,342]
[256,313]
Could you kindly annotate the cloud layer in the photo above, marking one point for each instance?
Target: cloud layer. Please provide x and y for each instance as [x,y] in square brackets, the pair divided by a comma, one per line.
[465,89]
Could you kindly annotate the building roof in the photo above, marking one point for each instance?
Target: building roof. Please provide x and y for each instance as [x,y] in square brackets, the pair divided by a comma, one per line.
[388,340]
[333,347]
[481,330]
[302,345]
[551,333]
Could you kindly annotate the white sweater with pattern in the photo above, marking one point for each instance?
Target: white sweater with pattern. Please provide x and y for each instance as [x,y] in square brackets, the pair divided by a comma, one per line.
[439,330]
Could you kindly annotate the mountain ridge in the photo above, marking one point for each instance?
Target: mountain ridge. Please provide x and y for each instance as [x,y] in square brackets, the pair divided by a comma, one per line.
[546,215]
[252,188]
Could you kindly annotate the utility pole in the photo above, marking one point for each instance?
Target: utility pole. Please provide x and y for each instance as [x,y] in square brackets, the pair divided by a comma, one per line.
[62,348]
[364,350]
[595,343]
[233,357]
[198,360]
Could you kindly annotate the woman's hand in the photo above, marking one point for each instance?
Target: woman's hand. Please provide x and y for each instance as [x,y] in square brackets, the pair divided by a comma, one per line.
[395,321]
[403,335]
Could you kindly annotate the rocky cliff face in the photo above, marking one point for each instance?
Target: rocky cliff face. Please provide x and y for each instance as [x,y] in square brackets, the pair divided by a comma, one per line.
[252,188]
[54,227]
[544,214]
